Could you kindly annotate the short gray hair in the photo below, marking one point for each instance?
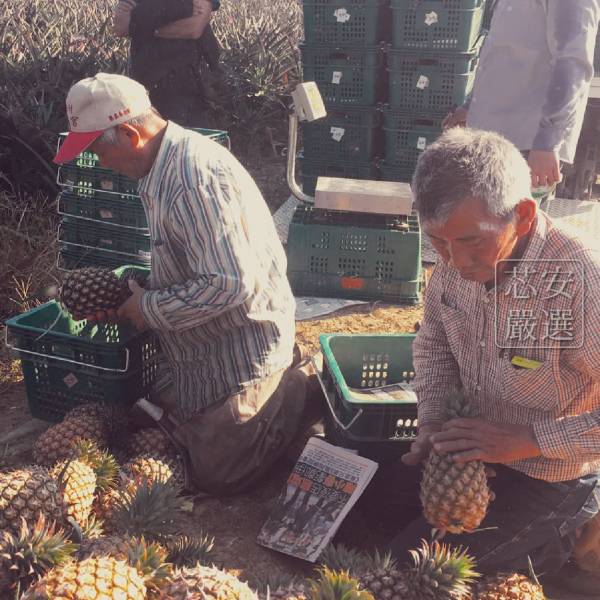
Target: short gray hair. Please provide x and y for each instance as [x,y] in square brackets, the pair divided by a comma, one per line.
[468,163]
[110,135]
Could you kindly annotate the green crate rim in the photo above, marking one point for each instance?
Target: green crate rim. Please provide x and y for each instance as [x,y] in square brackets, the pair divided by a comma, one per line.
[339,379]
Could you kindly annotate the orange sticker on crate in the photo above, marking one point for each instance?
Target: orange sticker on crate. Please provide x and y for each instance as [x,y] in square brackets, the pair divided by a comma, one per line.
[353,283]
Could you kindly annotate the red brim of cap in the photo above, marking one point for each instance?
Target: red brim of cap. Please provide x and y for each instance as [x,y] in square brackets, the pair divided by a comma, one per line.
[75,143]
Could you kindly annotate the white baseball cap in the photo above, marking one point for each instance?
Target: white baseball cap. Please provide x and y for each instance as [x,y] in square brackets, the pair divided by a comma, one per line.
[96,104]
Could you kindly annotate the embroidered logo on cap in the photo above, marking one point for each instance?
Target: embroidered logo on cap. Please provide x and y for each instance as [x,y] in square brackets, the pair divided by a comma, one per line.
[119,114]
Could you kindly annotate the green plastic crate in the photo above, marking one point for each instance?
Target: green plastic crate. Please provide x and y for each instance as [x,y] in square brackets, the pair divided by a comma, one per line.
[345,77]
[344,134]
[72,256]
[379,429]
[343,23]
[114,210]
[86,178]
[90,235]
[453,25]
[407,135]
[434,82]
[489,13]
[354,255]
[390,172]
[313,168]
[67,362]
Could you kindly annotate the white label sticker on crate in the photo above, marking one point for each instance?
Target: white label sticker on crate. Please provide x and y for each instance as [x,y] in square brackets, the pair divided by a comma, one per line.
[107,184]
[431,18]
[337,133]
[106,242]
[337,77]
[342,15]
[106,214]
[423,82]
[422,143]
[70,380]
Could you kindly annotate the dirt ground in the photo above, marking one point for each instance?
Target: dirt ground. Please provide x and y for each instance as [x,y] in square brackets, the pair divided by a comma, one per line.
[234,522]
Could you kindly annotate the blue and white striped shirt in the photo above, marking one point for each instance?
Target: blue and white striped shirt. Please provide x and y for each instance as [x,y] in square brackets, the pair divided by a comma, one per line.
[219,297]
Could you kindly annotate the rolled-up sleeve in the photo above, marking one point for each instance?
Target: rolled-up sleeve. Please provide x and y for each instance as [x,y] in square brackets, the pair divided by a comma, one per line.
[208,224]
[436,370]
[572,29]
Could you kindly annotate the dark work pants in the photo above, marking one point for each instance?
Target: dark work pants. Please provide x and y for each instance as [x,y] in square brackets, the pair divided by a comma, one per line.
[528,518]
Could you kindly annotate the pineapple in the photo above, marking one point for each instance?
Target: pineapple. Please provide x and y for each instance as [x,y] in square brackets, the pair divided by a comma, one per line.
[508,586]
[56,443]
[153,510]
[150,441]
[455,497]
[102,462]
[205,583]
[26,494]
[93,578]
[338,557]
[78,482]
[155,468]
[186,551]
[26,557]
[149,559]
[339,585]
[86,291]
[439,573]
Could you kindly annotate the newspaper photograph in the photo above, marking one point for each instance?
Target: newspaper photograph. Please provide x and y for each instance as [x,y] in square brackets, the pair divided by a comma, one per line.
[322,488]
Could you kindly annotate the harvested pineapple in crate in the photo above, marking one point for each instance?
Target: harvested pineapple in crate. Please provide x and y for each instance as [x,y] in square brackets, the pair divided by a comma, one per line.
[366,383]
[67,362]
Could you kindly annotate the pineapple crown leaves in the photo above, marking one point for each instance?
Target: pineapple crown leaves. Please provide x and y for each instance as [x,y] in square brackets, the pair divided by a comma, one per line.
[26,557]
[186,550]
[338,557]
[104,464]
[153,510]
[150,560]
[449,570]
[337,585]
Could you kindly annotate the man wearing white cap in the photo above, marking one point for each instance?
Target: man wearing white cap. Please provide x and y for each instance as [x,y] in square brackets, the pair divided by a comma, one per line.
[217,296]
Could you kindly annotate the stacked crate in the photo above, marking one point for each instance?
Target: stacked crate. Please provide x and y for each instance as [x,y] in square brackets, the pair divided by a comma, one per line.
[431,65]
[103,222]
[342,53]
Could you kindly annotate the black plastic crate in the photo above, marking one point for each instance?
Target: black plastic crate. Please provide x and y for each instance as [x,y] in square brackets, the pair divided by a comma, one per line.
[433,82]
[453,25]
[362,256]
[338,23]
[313,168]
[379,428]
[345,76]
[395,173]
[344,134]
[71,256]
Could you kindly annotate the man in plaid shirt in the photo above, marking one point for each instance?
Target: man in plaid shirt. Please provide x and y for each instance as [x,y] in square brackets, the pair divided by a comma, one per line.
[511,316]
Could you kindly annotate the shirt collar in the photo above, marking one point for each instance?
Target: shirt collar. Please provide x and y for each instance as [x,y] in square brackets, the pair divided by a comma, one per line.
[151,184]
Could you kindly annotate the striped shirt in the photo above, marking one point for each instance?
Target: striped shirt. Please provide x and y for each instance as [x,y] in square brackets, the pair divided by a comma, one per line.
[219,297]
[545,310]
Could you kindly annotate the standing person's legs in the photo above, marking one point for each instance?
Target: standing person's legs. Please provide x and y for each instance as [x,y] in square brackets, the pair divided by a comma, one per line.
[529,518]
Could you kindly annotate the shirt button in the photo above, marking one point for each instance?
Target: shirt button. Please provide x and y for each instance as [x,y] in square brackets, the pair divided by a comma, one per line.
[486,300]
[482,344]
[478,388]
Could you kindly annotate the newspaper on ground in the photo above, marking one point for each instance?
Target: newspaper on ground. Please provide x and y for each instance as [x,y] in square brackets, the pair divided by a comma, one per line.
[393,392]
[308,307]
[324,485]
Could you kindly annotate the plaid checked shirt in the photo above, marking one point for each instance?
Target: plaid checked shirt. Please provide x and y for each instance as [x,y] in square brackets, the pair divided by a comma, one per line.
[545,310]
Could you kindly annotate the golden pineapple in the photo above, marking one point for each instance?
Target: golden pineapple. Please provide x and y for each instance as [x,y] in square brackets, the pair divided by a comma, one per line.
[205,583]
[508,586]
[150,441]
[155,468]
[455,496]
[57,442]
[78,483]
[86,291]
[186,550]
[26,557]
[101,578]
[104,464]
[26,494]
[438,573]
